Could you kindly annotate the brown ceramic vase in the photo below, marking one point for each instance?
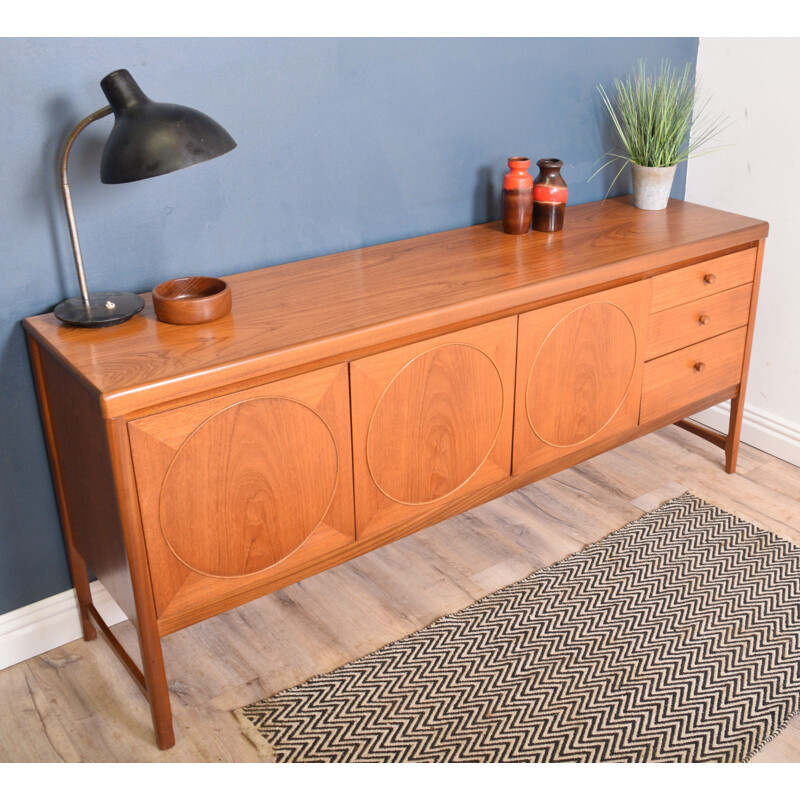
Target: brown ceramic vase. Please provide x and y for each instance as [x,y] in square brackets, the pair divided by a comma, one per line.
[517,197]
[549,196]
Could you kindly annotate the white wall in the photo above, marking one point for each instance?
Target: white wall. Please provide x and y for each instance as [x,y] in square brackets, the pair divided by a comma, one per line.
[756,82]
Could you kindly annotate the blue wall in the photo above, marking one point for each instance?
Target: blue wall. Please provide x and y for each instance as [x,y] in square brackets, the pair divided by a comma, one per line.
[342,144]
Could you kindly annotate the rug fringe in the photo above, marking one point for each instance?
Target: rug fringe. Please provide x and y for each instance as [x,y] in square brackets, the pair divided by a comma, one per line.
[255,737]
[743,517]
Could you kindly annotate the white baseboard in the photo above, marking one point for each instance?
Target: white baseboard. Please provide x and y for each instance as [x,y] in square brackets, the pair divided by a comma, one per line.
[32,630]
[769,433]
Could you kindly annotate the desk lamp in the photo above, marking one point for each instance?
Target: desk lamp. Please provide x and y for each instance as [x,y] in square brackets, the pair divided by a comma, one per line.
[147,139]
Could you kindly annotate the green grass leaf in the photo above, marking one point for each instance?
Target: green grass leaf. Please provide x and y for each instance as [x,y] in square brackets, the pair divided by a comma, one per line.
[660,118]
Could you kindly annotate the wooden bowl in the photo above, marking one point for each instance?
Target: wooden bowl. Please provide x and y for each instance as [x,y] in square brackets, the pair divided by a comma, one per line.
[191,301]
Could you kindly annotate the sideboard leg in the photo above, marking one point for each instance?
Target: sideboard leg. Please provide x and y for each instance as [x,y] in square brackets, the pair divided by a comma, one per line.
[157,689]
[734,431]
[155,678]
[77,565]
[80,579]
[737,403]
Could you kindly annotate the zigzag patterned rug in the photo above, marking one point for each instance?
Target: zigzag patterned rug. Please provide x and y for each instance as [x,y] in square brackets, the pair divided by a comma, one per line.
[675,638]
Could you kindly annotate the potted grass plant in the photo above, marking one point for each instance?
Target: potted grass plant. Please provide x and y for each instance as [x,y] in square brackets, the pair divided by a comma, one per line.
[661,120]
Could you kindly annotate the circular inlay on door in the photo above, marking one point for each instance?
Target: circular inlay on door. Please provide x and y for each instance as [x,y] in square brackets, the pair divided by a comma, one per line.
[435,424]
[248,487]
[581,374]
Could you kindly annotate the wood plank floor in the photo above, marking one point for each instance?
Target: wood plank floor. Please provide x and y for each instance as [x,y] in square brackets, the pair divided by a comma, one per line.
[76,703]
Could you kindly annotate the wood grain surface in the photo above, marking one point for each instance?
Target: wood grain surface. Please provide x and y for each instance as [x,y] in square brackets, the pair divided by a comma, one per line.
[703,279]
[431,421]
[84,481]
[198,601]
[248,486]
[435,424]
[581,374]
[331,308]
[233,488]
[579,368]
[692,322]
[676,380]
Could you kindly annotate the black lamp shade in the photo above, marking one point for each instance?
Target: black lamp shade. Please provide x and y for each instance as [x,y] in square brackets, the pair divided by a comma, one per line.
[150,138]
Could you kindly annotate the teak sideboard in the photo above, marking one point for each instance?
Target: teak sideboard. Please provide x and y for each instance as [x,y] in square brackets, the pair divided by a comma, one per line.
[349,400]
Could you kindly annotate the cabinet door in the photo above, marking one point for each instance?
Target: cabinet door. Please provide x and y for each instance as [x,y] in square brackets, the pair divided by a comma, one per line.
[431,422]
[233,489]
[579,373]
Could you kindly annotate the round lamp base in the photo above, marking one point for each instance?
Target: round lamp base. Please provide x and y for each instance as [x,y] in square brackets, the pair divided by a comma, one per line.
[104,309]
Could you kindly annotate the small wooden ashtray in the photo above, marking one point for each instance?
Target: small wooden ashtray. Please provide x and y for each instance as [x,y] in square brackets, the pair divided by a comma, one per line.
[191,301]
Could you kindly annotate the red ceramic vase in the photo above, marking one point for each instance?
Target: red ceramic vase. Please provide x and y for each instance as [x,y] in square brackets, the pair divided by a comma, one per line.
[549,196]
[517,196]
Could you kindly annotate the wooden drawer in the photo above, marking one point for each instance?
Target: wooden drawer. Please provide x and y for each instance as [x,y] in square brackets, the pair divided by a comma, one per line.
[701,319]
[674,381]
[703,279]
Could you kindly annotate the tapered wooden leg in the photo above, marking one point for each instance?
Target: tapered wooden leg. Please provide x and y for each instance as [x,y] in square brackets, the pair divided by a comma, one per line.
[734,431]
[80,579]
[77,566]
[155,678]
[157,689]
[737,403]
[152,683]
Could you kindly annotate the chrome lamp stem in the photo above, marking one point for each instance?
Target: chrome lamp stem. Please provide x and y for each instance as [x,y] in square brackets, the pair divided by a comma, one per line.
[97,310]
[73,228]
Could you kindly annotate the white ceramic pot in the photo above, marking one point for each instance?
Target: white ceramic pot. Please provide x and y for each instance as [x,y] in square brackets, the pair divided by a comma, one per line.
[651,186]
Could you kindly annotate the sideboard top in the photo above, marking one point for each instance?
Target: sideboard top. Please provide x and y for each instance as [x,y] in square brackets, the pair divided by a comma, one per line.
[343,304]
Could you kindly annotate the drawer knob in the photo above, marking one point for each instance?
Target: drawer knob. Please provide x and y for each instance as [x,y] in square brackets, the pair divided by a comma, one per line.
[704,319]
[699,366]
[709,277]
